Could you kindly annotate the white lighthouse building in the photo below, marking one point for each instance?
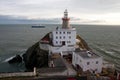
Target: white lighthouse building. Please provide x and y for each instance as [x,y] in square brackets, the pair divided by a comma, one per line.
[63,38]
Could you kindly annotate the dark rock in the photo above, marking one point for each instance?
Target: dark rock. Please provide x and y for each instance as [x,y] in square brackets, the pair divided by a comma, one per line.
[35,57]
[16,59]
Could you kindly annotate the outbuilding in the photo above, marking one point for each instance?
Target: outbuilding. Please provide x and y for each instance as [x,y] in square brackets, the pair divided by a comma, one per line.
[87,61]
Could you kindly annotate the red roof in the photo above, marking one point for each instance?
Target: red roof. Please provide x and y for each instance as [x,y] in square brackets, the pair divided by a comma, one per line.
[45,39]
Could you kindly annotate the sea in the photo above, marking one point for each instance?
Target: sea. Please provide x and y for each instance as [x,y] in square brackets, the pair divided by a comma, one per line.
[17,38]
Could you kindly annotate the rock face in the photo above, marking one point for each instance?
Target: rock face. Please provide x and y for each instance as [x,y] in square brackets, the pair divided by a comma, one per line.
[35,57]
[16,59]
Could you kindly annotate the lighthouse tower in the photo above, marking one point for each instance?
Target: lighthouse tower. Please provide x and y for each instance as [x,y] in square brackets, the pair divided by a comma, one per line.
[65,19]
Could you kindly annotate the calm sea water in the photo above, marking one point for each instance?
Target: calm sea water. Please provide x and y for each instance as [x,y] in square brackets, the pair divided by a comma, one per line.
[16,39]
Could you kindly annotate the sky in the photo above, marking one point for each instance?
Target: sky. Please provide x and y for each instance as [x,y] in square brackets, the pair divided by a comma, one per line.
[106,12]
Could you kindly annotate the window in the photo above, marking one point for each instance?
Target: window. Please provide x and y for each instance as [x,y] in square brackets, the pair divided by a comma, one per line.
[60,32]
[63,32]
[56,42]
[63,37]
[56,32]
[96,62]
[68,32]
[69,37]
[60,37]
[56,37]
[88,63]
[68,41]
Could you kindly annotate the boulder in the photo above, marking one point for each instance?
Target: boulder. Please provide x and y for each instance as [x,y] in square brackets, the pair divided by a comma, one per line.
[16,59]
[35,57]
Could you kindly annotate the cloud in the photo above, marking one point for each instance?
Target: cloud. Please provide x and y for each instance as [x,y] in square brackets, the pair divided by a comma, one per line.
[7,19]
[41,7]
[96,6]
[93,21]
[89,10]
[86,21]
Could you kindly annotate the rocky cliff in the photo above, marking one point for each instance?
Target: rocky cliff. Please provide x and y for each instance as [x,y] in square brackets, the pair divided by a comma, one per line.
[35,57]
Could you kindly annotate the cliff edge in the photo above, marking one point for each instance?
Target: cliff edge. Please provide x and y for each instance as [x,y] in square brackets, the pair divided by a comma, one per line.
[35,57]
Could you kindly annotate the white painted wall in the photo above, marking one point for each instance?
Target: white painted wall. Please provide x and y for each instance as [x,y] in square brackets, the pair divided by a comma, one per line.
[93,65]
[82,62]
[60,49]
[69,38]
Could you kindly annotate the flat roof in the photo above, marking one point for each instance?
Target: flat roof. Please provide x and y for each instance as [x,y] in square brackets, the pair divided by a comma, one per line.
[87,54]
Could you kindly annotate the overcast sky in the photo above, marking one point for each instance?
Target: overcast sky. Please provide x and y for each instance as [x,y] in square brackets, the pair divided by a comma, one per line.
[51,11]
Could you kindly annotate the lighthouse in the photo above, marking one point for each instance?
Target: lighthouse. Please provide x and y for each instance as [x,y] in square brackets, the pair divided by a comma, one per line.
[62,41]
[64,37]
[65,19]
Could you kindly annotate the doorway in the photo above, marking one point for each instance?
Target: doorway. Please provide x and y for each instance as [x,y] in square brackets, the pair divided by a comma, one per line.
[63,42]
